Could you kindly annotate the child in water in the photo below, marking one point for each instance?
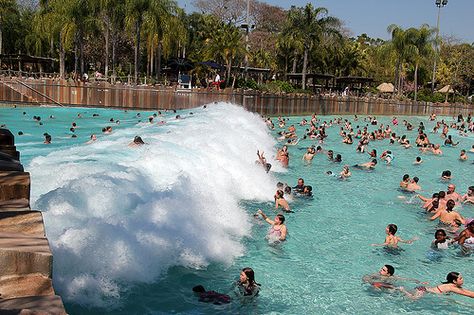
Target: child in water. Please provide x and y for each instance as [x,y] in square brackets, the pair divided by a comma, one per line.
[246,285]
[391,240]
[441,240]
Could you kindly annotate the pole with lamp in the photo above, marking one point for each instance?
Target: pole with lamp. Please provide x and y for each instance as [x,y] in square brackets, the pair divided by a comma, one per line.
[440,4]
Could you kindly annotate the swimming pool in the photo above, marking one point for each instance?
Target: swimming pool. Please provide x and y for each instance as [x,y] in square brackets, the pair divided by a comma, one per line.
[134,229]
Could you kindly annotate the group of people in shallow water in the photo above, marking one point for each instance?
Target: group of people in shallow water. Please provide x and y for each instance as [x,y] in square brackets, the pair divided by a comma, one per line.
[440,206]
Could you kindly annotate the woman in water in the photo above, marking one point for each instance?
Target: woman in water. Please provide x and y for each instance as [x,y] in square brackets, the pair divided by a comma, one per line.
[346,173]
[280,201]
[278,230]
[246,285]
[453,284]
[391,240]
[447,216]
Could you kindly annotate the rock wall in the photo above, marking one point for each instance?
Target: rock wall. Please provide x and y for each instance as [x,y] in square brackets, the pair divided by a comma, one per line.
[26,261]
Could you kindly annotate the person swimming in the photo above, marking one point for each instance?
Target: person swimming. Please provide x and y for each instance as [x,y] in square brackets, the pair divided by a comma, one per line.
[453,284]
[246,285]
[368,165]
[211,296]
[441,240]
[278,230]
[391,240]
[137,141]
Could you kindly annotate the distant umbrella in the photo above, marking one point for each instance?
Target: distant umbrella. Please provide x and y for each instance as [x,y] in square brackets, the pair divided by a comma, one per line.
[212,64]
[181,64]
[446,89]
[386,88]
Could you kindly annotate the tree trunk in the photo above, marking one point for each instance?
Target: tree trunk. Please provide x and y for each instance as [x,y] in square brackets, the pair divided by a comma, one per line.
[295,59]
[1,39]
[416,81]
[76,58]
[114,43]
[107,34]
[158,62]
[81,51]
[137,48]
[397,74]
[152,58]
[286,67]
[51,51]
[305,64]
[62,57]
[229,68]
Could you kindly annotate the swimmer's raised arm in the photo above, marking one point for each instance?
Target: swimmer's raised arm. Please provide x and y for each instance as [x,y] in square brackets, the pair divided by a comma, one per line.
[265,217]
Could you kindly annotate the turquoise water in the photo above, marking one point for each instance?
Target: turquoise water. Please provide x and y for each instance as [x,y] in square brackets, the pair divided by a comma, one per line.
[134,229]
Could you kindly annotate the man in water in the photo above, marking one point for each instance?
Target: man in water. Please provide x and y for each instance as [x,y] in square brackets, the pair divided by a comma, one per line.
[452,194]
[413,184]
[299,188]
[368,165]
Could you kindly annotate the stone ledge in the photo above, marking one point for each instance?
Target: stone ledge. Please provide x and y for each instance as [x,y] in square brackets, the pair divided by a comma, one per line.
[26,285]
[37,305]
[23,254]
[22,222]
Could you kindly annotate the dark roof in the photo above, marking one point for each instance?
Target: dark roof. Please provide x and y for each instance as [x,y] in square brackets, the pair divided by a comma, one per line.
[252,69]
[27,58]
[354,79]
[309,75]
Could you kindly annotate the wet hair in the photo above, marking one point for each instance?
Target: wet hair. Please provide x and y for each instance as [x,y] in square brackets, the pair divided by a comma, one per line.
[418,159]
[280,193]
[138,140]
[392,229]
[20,133]
[416,179]
[406,176]
[441,194]
[280,185]
[250,275]
[446,173]
[199,289]
[288,190]
[440,231]
[450,205]
[374,161]
[390,269]
[310,188]
[281,217]
[451,277]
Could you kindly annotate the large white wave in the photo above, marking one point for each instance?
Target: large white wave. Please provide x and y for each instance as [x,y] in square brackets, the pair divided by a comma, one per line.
[116,215]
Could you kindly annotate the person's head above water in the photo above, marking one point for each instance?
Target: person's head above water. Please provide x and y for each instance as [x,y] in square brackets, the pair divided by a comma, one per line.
[392,229]
[454,278]
[387,270]
[138,140]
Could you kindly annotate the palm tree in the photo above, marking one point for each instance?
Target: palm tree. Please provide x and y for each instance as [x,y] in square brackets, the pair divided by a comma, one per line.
[311,25]
[225,44]
[398,47]
[135,15]
[418,46]
[6,7]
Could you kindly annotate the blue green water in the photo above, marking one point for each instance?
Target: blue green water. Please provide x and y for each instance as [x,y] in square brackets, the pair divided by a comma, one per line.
[134,229]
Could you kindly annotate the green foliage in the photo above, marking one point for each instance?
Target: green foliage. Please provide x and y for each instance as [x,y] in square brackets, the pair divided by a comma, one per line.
[278,87]
[246,84]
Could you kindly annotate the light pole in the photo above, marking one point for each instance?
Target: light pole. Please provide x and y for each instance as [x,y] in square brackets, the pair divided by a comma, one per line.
[440,4]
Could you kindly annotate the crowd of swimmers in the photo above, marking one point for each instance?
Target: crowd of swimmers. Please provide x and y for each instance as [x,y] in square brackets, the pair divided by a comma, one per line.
[455,230]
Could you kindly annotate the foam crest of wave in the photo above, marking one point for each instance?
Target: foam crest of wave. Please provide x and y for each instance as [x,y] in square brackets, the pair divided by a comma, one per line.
[117,215]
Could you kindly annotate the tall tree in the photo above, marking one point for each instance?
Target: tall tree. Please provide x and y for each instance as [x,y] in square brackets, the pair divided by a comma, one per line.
[418,45]
[311,25]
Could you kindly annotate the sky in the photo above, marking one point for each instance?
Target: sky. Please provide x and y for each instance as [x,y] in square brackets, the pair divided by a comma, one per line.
[373,16]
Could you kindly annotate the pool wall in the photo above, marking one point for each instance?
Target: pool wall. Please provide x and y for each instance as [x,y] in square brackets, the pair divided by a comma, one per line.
[26,261]
[103,94]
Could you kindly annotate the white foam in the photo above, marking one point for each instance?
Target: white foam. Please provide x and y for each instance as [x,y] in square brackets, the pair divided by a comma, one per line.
[117,215]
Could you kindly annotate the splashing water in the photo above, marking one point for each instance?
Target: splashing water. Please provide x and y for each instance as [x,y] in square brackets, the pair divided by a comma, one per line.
[118,215]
